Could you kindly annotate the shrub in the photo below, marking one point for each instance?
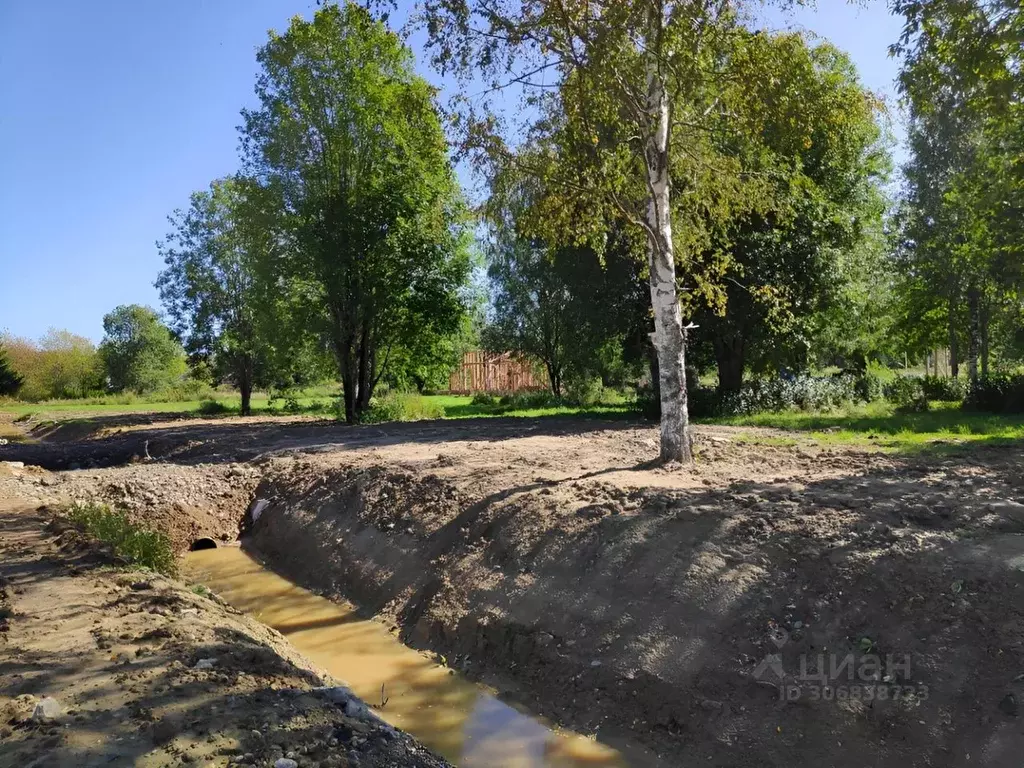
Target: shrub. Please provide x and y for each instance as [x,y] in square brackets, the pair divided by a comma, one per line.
[904,390]
[399,406]
[131,541]
[583,390]
[943,388]
[482,398]
[213,408]
[291,405]
[997,394]
[868,387]
[807,393]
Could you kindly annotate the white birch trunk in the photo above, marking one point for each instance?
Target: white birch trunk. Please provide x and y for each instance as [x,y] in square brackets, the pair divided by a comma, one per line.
[669,339]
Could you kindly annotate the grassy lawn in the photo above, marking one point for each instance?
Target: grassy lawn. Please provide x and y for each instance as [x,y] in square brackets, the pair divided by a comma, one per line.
[320,404]
[944,426]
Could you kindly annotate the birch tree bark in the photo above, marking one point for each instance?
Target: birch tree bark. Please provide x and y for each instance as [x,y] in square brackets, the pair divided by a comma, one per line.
[669,341]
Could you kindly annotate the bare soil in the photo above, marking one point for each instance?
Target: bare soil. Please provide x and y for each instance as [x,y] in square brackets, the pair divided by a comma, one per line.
[118,655]
[775,605]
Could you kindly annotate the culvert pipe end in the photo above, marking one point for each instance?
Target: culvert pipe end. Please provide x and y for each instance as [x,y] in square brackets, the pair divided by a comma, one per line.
[204,542]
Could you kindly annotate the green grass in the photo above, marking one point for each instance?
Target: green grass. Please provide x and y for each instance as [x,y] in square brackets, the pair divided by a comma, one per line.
[140,546]
[944,426]
[318,403]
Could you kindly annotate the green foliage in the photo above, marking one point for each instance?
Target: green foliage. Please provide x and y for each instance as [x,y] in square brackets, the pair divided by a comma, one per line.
[10,380]
[961,258]
[213,408]
[944,388]
[996,394]
[904,390]
[347,136]
[401,406]
[135,543]
[138,352]
[60,365]
[801,277]
[218,287]
[482,398]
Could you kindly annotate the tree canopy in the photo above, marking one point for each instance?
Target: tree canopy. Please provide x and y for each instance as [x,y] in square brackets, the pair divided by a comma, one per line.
[138,352]
[349,137]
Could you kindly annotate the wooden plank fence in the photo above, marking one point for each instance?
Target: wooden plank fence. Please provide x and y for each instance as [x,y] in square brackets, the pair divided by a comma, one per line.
[485,372]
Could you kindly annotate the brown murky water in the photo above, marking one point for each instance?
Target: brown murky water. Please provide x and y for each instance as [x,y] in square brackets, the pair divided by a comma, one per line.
[460,720]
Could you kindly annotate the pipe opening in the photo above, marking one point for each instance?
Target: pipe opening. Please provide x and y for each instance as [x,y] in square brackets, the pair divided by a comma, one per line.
[203,543]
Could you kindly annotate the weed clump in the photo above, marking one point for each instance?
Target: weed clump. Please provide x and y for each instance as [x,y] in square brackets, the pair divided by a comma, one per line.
[135,543]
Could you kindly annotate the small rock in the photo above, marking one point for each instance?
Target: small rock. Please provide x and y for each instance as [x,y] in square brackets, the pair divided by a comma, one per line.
[595,663]
[47,710]
[285,762]
[205,664]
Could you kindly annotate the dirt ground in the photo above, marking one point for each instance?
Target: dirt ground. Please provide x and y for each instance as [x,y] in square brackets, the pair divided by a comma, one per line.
[775,605]
[103,667]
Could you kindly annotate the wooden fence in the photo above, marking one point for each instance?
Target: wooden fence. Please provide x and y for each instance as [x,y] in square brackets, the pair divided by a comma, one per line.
[484,372]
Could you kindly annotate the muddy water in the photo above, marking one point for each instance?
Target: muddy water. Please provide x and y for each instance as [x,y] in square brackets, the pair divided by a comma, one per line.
[458,719]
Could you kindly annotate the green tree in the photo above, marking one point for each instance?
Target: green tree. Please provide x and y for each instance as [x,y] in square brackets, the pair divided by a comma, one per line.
[70,364]
[216,255]
[350,136]
[10,380]
[627,92]
[962,245]
[811,130]
[578,312]
[138,351]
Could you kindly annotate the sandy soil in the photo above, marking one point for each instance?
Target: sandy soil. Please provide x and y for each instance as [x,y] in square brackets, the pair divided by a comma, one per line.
[118,658]
[775,605]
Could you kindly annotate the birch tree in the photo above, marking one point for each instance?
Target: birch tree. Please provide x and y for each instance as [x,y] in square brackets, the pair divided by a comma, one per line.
[631,88]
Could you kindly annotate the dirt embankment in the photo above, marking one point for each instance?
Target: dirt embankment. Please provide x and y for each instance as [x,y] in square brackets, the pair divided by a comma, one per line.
[672,615]
[663,605]
[106,668]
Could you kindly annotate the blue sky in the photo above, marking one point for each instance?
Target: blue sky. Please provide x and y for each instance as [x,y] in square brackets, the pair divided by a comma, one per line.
[115,111]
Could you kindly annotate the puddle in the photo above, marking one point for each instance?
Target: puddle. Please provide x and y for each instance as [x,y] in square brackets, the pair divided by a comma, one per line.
[462,721]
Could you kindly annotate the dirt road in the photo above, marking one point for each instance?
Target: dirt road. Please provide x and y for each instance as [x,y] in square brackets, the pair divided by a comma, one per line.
[779,604]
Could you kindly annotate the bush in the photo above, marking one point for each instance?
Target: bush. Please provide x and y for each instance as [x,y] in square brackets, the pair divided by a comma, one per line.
[583,390]
[135,543]
[868,387]
[904,391]
[213,408]
[806,393]
[997,394]
[482,398]
[943,388]
[399,406]
[291,405]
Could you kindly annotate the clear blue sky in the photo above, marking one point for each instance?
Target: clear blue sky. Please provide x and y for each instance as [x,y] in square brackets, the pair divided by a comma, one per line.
[115,111]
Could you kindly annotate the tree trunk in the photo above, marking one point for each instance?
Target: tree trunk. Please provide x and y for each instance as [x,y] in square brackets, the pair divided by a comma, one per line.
[974,332]
[984,342]
[729,354]
[347,364]
[954,351]
[245,385]
[668,322]
[365,373]
[555,378]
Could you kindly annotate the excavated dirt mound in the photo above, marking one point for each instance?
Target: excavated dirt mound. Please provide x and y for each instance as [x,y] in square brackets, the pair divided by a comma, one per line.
[778,604]
[105,668]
